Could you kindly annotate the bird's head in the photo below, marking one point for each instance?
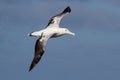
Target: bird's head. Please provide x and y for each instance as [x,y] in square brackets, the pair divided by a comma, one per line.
[66,31]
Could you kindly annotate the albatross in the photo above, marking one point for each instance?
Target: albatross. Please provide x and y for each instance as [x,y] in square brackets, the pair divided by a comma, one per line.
[52,30]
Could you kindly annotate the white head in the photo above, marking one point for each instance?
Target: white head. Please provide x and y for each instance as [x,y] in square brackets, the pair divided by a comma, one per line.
[66,31]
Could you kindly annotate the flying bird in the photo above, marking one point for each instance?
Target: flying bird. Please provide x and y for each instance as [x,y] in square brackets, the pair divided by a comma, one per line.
[52,30]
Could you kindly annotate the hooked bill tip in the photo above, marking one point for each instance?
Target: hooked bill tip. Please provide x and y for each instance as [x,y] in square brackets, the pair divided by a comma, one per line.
[73,34]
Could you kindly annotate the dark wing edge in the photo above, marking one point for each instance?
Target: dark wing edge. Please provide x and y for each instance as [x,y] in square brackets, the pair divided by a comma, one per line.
[39,50]
[66,10]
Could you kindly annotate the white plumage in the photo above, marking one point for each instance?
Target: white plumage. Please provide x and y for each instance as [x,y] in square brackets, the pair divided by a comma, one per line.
[52,30]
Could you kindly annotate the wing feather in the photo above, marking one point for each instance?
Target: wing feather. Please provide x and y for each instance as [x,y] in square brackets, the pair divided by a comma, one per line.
[39,50]
[57,18]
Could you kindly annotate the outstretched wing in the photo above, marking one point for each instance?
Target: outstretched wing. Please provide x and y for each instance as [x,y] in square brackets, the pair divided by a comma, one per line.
[56,19]
[39,50]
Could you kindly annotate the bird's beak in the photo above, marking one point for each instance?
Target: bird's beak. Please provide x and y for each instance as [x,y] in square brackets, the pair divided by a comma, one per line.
[71,33]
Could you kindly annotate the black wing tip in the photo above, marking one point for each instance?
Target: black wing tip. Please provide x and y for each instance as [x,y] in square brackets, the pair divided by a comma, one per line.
[68,9]
[31,67]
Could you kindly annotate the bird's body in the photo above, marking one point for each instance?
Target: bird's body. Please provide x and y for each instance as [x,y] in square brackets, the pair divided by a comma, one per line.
[51,31]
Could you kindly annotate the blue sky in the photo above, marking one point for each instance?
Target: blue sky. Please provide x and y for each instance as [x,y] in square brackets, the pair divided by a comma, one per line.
[93,54]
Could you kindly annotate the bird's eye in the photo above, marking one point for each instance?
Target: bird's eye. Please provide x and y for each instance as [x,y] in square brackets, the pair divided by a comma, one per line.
[65,29]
